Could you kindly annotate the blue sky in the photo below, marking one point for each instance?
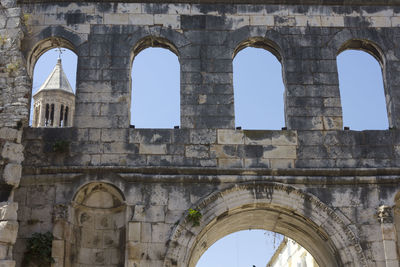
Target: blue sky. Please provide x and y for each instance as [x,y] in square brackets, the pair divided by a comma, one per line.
[259,104]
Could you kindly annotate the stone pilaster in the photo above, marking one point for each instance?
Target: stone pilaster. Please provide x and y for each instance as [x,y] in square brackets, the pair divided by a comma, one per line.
[385,217]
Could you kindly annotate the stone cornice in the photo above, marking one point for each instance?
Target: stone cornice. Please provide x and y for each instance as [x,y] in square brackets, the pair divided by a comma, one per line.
[253,2]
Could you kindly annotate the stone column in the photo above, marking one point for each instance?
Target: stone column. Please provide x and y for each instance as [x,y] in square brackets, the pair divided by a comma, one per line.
[57,108]
[42,114]
[385,217]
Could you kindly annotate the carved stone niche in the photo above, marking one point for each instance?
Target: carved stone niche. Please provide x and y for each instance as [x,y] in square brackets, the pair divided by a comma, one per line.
[93,233]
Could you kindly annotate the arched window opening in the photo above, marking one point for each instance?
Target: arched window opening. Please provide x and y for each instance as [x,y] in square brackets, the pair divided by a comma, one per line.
[258,89]
[256,248]
[155,101]
[361,87]
[53,89]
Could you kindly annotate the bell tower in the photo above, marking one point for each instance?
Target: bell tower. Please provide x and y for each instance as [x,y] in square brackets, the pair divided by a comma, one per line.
[54,102]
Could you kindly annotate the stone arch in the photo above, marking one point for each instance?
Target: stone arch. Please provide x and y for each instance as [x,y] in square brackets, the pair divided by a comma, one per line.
[153,41]
[91,229]
[259,37]
[270,206]
[260,42]
[50,37]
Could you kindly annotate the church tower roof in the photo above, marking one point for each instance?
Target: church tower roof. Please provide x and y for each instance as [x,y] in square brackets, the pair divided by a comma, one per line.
[57,80]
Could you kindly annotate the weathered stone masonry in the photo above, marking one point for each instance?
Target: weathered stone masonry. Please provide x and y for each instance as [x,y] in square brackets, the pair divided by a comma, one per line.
[119,196]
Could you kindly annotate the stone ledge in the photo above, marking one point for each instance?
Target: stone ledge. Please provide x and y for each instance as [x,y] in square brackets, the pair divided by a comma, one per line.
[253,2]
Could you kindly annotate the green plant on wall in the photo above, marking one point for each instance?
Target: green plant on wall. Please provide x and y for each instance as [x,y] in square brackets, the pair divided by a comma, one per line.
[38,249]
[194,217]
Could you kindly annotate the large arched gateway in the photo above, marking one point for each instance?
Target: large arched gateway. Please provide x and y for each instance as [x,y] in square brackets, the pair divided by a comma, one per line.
[270,206]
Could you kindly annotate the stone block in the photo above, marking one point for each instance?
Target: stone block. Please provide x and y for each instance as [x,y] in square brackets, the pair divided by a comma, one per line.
[13,152]
[257,137]
[232,137]
[134,230]
[116,19]
[8,231]
[7,263]
[152,149]
[10,134]
[8,211]
[203,136]
[160,232]
[141,19]
[12,174]
[262,20]
[230,163]
[280,152]
[197,151]
[57,248]
[169,21]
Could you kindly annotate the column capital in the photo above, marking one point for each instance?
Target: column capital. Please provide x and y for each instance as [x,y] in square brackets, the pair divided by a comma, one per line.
[384,214]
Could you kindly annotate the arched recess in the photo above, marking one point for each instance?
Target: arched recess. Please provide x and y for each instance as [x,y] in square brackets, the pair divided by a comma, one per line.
[259,88]
[361,83]
[270,206]
[91,230]
[159,95]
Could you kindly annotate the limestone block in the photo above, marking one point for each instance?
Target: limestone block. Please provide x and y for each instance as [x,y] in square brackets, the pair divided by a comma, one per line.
[116,19]
[390,249]
[153,149]
[332,21]
[380,21]
[256,137]
[262,20]
[145,233]
[141,19]
[134,231]
[230,163]
[13,152]
[135,251]
[282,163]
[57,249]
[4,251]
[149,214]
[281,152]
[8,211]
[197,151]
[226,136]
[395,23]
[160,232]
[10,134]
[7,263]
[203,136]
[284,139]
[12,174]
[129,8]
[8,231]
[170,21]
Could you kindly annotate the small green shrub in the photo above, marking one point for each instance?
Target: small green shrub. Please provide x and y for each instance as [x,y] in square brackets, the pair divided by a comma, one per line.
[38,249]
[194,217]
[61,146]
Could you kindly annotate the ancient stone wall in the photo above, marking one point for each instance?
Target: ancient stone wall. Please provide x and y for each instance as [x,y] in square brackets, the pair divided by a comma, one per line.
[340,186]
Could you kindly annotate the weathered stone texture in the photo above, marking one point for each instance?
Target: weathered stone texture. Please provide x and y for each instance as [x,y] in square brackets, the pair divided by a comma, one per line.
[129,190]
